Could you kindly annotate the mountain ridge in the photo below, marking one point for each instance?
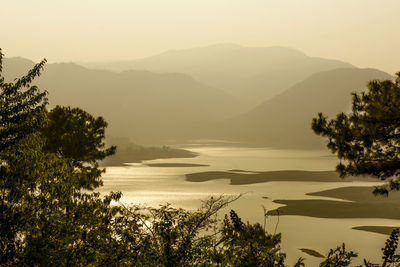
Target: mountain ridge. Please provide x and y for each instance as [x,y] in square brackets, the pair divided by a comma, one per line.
[285,119]
[251,73]
[150,107]
[138,104]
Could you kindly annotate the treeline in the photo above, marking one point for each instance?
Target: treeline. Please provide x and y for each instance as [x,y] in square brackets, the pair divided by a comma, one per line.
[50,215]
[130,152]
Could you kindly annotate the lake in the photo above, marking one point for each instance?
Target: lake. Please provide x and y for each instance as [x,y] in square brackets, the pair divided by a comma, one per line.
[153,185]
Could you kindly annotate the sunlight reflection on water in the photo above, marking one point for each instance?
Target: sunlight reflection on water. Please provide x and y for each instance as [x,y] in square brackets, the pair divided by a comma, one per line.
[141,184]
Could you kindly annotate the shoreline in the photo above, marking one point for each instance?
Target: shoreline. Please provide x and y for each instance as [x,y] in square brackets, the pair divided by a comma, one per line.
[383,230]
[243,177]
[360,203]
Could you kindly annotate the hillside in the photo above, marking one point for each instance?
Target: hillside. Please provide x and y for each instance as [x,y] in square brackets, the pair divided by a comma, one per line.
[285,120]
[252,73]
[153,108]
[128,152]
[141,105]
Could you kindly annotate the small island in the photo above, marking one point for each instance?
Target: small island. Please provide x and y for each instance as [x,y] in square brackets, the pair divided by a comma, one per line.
[384,230]
[241,177]
[360,204]
[128,152]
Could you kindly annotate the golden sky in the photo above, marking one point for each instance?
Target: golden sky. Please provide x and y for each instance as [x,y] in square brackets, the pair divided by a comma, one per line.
[362,32]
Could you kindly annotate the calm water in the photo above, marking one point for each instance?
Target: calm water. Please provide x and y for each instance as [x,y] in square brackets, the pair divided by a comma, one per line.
[153,186]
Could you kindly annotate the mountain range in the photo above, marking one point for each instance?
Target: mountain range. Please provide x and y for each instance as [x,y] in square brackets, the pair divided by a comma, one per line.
[142,105]
[253,74]
[263,95]
[285,120]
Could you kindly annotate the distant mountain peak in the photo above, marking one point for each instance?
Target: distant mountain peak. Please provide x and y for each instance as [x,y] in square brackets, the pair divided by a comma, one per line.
[285,119]
[228,48]
[19,60]
[213,46]
[253,74]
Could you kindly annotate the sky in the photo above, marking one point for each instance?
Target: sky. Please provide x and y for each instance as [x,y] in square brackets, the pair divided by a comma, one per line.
[362,32]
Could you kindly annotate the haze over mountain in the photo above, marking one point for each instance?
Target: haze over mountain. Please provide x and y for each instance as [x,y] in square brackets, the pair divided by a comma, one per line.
[141,105]
[252,73]
[151,108]
[285,120]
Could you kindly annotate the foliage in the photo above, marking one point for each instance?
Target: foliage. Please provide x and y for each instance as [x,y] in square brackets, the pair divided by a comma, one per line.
[338,257]
[45,218]
[75,135]
[248,244]
[367,141]
[167,236]
[300,263]
[389,250]
[22,112]
[175,237]
[22,107]
[50,216]
[341,257]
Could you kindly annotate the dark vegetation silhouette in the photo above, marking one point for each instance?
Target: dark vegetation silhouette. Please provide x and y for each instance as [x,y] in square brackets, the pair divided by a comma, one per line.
[50,215]
[367,140]
[74,134]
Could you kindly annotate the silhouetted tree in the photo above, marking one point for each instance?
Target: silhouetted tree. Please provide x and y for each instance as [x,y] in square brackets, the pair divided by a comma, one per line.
[338,257]
[45,217]
[48,217]
[246,244]
[341,257]
[76,135]
[367,141]
[22,107]
[389,251]
[22,113]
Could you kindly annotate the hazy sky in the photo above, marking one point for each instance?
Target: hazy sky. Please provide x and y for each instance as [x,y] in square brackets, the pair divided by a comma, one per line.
[362,32]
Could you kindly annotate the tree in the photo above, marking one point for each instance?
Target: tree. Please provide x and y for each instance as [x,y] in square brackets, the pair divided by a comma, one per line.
[48,161]
[389,251]
[45,217]
[22,106]
[22,113]
[338,257]
[77,135]
[342,257]
[74,134]
[367,141]
[246,244]
[168,236]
